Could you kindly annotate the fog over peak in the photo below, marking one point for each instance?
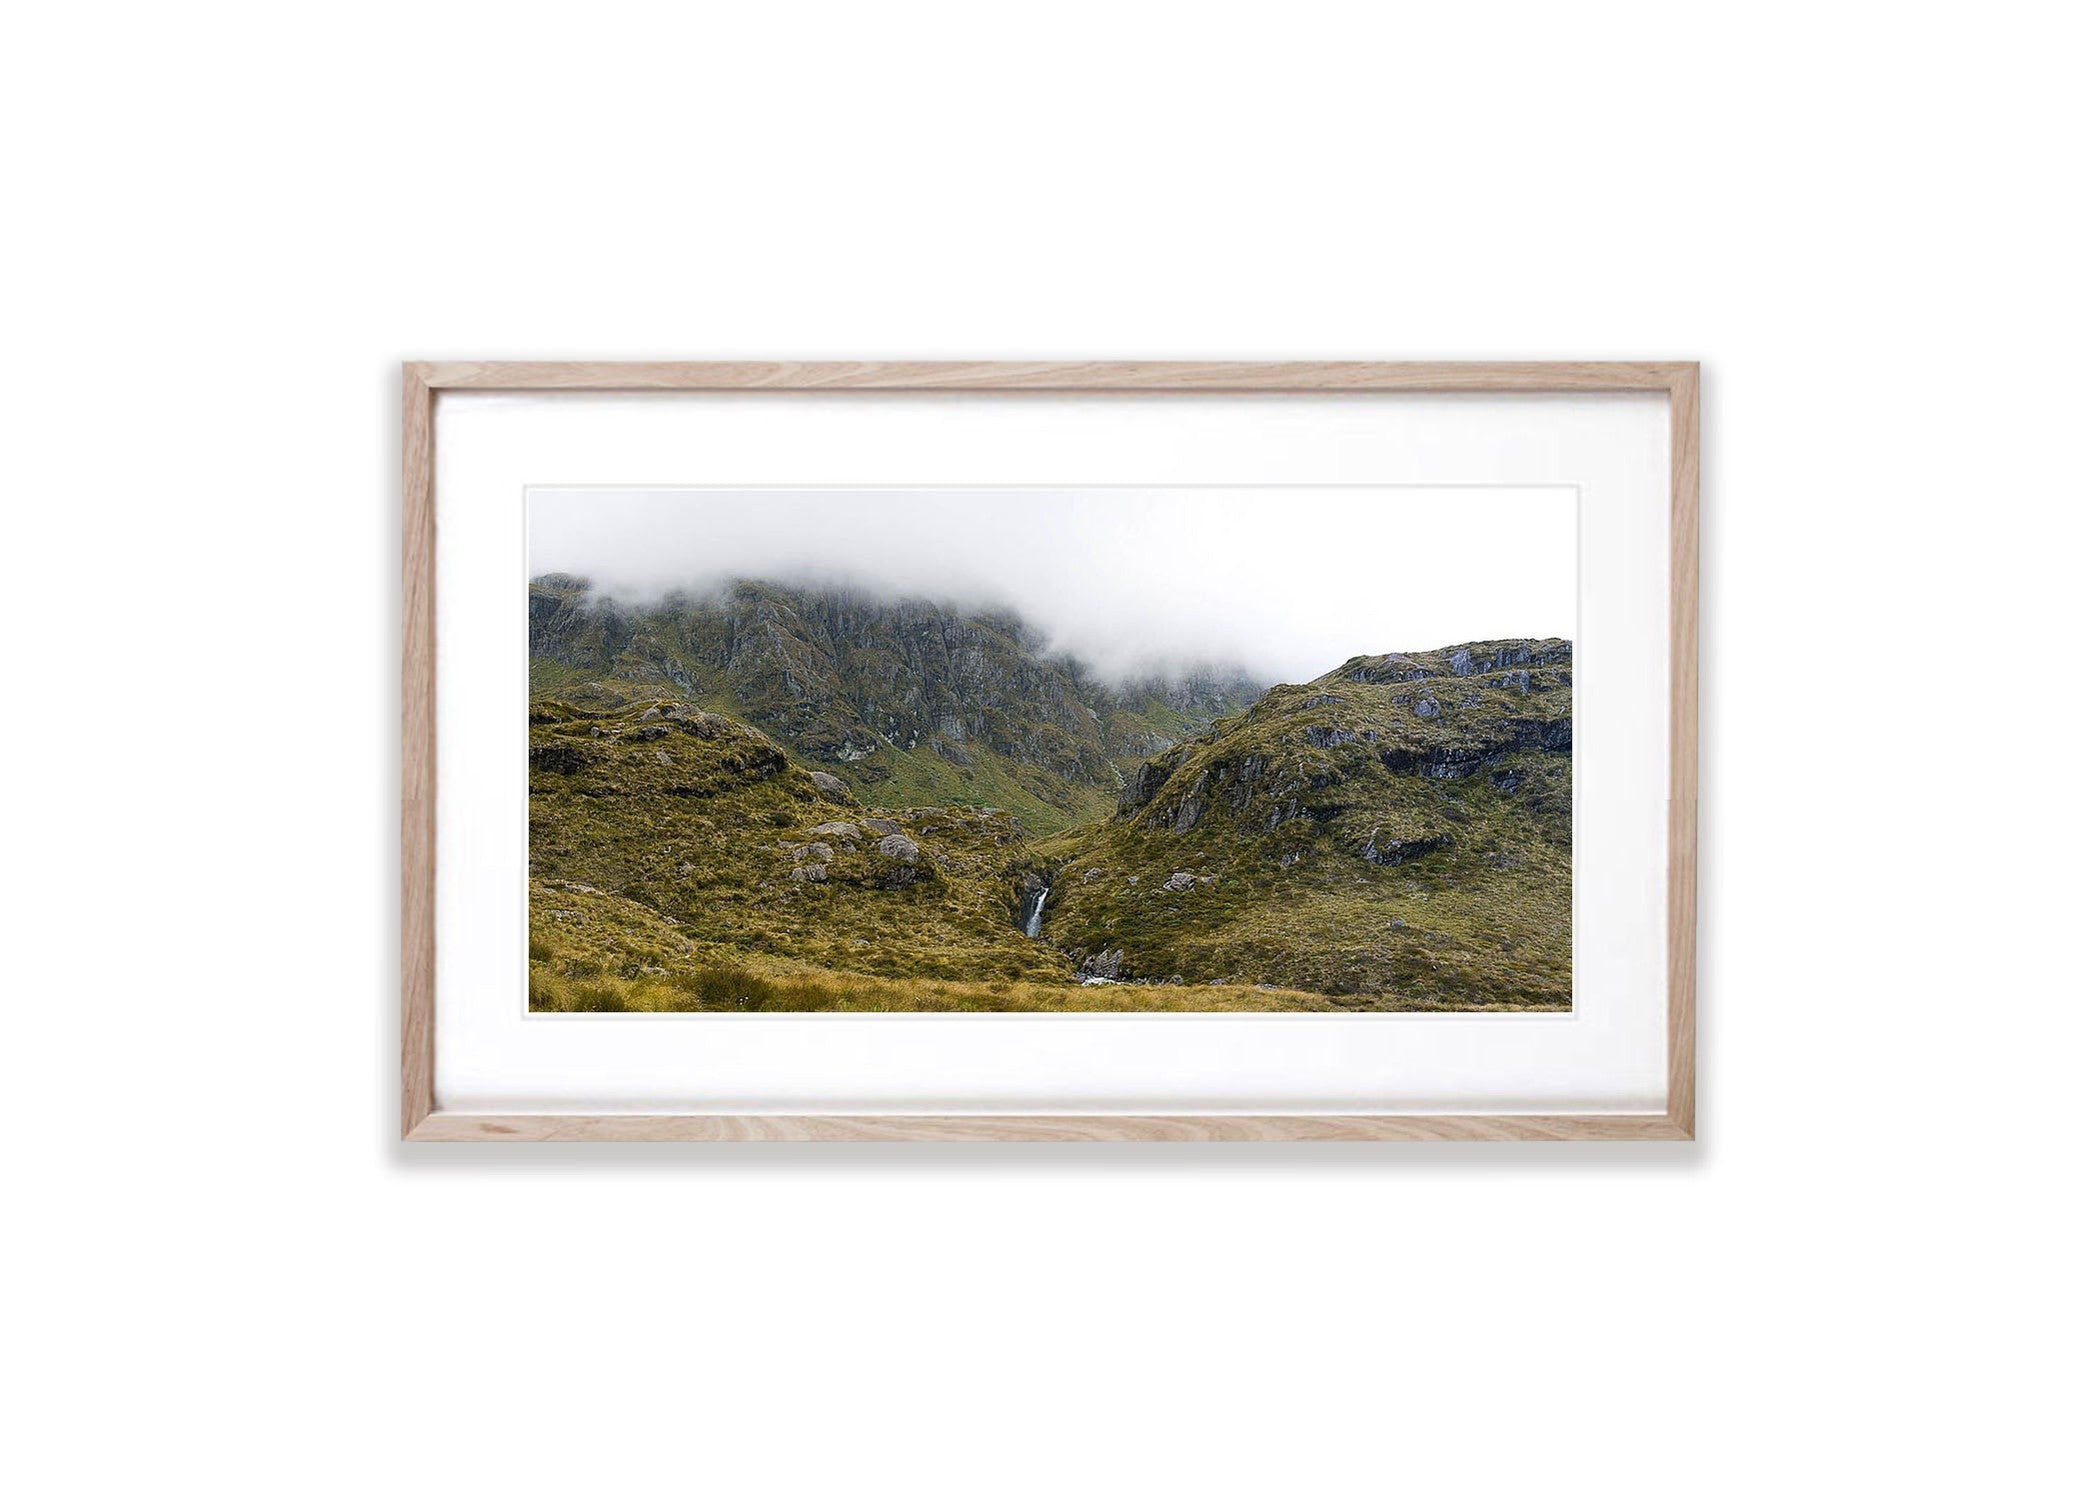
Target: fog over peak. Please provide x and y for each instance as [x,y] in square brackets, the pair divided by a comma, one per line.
[1284,583]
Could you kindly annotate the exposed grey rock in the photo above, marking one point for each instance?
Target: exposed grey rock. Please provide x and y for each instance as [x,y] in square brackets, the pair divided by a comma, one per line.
[881,826]
[899,847]
[812,874]
[1389,668]
[1103,966]
[1465,664]
[1180,879]
[1324,736]
[831,785]
[560,757]
[1520,680]
[1427,707]
[1449,762]
[845,830]
[1398,850]
[1150,776]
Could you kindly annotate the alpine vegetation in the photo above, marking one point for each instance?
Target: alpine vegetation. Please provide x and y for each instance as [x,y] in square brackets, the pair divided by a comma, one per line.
[785,796]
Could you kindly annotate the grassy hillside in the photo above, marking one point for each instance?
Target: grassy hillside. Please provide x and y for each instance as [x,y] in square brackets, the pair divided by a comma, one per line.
[1398,830]
[681,861]
[1393,835]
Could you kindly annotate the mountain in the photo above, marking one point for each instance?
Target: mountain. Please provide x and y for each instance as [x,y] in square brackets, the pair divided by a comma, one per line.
[1396,834]
[1401,827]
[913,701]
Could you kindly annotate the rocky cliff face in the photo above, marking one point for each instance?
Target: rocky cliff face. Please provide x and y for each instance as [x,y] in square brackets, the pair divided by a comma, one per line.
[949,705]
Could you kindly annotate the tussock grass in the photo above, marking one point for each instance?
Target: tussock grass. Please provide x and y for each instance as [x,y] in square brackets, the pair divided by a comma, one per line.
[728,988]
[1342,852]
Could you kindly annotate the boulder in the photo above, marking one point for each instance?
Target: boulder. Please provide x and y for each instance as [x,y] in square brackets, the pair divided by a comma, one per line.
[1180,879]
[835,830]
[831,786]
[1103,966]
[1399,850]
[1325,736]
[899,847]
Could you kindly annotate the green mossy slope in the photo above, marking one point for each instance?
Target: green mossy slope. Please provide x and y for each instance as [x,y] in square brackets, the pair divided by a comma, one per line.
[1393,835]
[1399,830]
[719,844]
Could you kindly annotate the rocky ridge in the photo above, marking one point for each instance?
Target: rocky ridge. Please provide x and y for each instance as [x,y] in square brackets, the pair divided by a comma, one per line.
[946,704]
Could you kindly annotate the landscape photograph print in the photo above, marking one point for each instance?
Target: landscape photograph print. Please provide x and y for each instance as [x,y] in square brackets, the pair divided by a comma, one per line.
[1177,750]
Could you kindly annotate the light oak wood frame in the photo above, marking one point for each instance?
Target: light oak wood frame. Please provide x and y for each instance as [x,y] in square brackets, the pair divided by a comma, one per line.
[420,385]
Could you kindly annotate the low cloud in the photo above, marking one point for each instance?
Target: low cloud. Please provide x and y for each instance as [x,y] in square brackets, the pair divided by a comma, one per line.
[1284,582]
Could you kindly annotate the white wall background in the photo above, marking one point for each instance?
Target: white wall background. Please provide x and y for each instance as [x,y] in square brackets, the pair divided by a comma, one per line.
[228,223]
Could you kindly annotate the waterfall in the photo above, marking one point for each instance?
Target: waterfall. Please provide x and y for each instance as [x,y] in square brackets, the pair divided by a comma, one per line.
[1033,924]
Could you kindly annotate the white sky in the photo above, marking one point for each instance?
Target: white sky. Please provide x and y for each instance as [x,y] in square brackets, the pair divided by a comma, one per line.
[1287,582]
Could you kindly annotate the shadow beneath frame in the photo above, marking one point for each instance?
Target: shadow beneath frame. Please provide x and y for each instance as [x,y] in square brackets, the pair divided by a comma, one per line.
[1076,1159]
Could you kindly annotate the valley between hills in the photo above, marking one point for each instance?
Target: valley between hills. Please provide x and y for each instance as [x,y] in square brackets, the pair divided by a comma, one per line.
[773,798]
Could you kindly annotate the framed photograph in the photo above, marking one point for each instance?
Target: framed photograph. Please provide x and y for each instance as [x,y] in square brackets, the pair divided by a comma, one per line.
[1049,751]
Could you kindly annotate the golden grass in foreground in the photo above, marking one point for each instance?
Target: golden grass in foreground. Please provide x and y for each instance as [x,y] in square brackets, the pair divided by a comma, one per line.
[724,988]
